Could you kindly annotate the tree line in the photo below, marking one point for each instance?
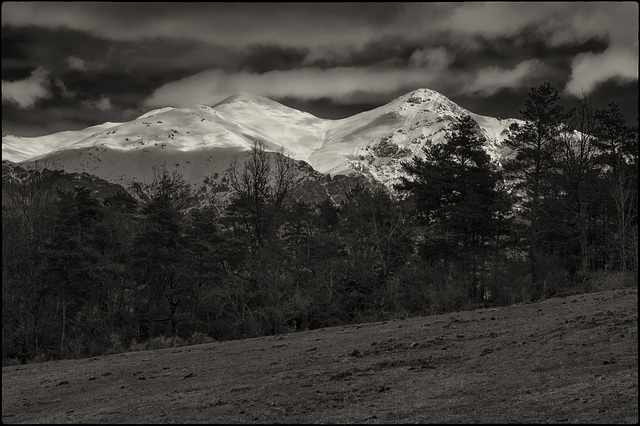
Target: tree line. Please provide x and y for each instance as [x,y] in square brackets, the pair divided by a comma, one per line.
[83,276]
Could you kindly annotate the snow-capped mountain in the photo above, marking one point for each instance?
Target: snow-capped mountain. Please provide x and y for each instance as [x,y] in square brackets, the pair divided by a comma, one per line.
[201,141]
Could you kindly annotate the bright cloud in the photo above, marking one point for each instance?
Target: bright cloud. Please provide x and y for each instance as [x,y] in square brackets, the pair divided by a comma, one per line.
[591,69]
[212,86]
[490,80]
[342,84]
[562,23]
[25,93]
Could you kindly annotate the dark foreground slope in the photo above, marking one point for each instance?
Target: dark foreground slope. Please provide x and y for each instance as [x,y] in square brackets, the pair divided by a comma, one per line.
[571,359]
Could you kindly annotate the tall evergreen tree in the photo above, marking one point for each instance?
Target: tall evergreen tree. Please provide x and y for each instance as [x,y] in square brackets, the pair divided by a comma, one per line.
[455,187]
[209,258]
[159,247]
[535,143]
[71,254]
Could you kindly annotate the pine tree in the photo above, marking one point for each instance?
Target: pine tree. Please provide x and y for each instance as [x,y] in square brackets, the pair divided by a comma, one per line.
[455,189]
[159,246]
[209,258]
[532,169]
[71,253]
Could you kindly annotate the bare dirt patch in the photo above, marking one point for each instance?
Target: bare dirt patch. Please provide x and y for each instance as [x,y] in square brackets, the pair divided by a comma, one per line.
[562,360]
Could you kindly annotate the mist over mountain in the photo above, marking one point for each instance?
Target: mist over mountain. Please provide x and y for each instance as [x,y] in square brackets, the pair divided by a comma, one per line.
[200,141]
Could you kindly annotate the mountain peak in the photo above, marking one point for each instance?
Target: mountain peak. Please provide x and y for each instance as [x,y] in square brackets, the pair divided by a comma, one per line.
[242,102]
[423,95]
[245,97]
[428,99]
[423,92]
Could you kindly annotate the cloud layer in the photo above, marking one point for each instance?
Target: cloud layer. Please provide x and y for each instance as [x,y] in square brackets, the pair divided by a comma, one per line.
[344,84]
[340,84]
[490,80]
[119,59]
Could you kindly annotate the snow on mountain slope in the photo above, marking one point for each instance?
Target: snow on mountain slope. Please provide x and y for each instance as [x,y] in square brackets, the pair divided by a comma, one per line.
[156,112]
[397,129]
[376,142]
[200,141]
[256,118]
[193,140]
[17,148]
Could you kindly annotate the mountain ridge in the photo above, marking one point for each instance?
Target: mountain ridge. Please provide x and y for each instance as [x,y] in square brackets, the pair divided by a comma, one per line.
[199,140]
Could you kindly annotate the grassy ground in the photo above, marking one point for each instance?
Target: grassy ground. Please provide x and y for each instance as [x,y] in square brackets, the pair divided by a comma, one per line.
[563,360]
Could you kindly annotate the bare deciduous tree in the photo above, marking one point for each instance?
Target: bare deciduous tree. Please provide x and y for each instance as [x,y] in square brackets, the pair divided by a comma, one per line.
[260,192]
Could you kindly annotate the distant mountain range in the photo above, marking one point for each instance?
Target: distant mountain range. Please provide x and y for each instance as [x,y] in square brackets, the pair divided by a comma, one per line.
[200,141]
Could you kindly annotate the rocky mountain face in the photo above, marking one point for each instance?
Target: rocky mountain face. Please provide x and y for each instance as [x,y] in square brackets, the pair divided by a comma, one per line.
[200,141]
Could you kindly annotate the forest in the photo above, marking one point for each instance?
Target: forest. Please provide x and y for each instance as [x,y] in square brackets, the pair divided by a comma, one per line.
[84,276]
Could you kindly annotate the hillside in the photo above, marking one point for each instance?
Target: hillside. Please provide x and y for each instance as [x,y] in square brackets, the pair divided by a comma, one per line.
[563,360]
[99,188]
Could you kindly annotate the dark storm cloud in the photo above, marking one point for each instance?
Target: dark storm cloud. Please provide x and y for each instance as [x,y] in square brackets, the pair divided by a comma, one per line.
[119,59]
[388,50]
[261,58]
[327,108]
[233,24]
[16,61]
[625,95]
[51,48]
[59,117]
[109,77]
[33,46]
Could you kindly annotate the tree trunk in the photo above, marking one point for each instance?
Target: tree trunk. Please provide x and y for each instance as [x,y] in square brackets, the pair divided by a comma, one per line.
[533,247]
[173,306]
[537,178]
[64,325]
[584,242]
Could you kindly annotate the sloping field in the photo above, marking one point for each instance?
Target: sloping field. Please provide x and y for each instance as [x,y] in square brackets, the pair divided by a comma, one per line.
[562,360]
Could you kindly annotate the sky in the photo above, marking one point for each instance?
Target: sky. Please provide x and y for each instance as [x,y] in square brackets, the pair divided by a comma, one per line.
[70,65]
